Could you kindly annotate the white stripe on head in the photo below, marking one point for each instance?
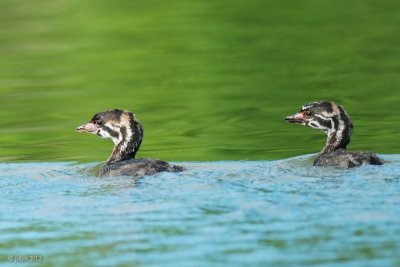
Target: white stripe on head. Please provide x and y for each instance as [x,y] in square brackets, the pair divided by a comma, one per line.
[309,105]
[105,134]
[125,121]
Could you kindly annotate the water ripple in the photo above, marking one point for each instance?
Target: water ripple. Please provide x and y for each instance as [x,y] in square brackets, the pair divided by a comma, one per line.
[227,213]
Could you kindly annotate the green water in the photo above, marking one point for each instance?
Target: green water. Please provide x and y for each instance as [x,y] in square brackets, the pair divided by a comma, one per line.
[210,80]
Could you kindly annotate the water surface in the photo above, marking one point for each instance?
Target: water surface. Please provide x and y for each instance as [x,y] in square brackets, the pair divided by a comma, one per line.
[225,213]
[209,80]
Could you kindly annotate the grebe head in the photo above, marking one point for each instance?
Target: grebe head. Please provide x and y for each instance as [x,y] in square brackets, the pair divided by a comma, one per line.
[328,117]
[122,127]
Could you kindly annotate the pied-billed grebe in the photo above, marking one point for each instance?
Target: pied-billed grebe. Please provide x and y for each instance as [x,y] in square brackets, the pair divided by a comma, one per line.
[336,123]
[126,132]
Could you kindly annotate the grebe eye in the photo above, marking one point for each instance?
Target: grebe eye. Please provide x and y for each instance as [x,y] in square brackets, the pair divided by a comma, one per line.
[98,122]
[307,113]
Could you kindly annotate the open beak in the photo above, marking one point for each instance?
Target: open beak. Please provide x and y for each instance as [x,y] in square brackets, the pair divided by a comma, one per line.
[88,128]
[298,118]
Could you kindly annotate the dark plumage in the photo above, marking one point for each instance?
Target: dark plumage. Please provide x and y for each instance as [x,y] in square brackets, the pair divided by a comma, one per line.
[126,132]
[138,167]
[336,123]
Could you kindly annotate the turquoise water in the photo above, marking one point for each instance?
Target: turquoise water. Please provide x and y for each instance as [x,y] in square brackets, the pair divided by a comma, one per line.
[224,213]
[211,81]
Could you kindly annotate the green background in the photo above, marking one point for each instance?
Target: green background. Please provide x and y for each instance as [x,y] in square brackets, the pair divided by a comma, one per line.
[210,80]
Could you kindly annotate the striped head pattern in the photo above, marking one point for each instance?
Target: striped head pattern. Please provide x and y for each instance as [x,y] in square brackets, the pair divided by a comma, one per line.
[122,127]
[328,117]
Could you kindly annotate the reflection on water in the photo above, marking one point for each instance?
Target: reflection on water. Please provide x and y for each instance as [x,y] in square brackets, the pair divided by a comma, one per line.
[233,213]
[210,80]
